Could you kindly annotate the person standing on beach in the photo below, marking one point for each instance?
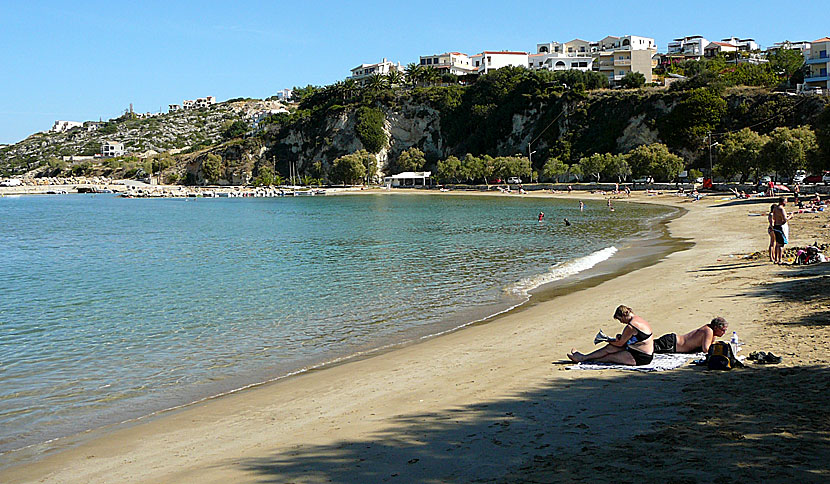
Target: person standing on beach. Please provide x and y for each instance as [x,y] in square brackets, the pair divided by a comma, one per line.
[634,346]
[771,233]
[581,206]
[781,228]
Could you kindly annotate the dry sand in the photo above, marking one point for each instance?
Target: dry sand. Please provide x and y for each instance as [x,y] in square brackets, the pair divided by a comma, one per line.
[496,403]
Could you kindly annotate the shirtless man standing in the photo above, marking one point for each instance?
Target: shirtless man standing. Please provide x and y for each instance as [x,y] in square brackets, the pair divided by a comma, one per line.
[780,228]
[693,342]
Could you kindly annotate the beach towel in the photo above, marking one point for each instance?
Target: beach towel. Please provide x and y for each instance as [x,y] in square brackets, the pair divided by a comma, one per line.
[661,362]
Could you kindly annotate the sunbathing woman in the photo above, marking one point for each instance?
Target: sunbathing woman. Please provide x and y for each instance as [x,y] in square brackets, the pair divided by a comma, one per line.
[635,346]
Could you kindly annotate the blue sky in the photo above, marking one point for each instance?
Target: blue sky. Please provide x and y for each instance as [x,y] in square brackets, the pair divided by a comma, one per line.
[86,60]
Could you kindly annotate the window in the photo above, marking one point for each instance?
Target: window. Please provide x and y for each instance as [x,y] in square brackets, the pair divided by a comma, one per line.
[543,49]
[423,62]
[435,61]
[489,60]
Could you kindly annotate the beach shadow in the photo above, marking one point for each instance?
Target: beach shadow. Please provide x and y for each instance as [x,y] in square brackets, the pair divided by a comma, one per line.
[664,426]
[731,266]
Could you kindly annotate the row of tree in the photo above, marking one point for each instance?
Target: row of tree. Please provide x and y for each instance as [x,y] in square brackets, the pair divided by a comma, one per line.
[747,154]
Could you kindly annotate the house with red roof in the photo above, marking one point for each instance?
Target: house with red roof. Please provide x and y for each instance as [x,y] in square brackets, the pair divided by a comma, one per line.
[456,63]
[716,48]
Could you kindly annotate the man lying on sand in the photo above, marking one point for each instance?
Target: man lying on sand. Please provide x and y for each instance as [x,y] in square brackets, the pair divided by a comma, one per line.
[692,342]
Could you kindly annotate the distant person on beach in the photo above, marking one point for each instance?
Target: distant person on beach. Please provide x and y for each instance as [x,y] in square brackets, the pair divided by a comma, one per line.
[541,216]
[781,228]
[771,233]
[634,346]
[570,189]
[693,341]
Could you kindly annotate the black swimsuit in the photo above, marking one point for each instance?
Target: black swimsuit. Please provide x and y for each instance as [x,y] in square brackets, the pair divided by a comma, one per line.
[640,358]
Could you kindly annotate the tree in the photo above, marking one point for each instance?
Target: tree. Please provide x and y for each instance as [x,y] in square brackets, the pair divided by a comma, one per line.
[633,80]
[410,160]
[785,62]
[692,118]
[265,176]
[349,169]
[235,129]
[822,130]
[789,150]
[159,163]
[395,78]
[413,73]
[594,165]
[617,167]
[554,168]
[369,129]
[212,167]
[449,169]
[739,153]
[472,167]
[654,160]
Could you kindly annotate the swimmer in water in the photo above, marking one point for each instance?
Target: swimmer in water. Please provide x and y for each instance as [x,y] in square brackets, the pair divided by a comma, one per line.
[581,206]
[541,216]
[567,224]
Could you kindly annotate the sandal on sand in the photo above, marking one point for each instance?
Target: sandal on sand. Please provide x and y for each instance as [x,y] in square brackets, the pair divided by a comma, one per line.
[763,357]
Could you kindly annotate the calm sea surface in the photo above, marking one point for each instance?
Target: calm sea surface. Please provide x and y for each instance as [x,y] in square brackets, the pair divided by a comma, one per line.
[114,308]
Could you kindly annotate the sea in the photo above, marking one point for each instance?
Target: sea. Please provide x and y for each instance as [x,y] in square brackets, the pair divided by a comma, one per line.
[115,309]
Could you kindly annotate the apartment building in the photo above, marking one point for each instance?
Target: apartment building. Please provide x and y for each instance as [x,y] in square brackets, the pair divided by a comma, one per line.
[802,46]
[818,63]
[691,46]
[551,56]
[110,149]
[61,126]
[455,63]
[490,60]
[743,45]
[384,67]
[618,56]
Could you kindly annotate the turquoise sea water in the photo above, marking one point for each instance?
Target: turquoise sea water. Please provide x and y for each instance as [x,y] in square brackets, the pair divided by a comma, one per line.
[114,308]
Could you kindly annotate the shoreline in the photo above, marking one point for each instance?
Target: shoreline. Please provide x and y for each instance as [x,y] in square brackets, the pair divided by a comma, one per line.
[516,347]
[640,249]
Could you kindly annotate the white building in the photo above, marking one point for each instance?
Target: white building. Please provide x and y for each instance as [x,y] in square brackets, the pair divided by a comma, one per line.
[204,102]
[409,179]
[618,56]
[743,45]
[490,60]
[61,126]
[173,107]
[456,63]
[560,62]
[284,94]
[384,67]
[111,149]
[802,46]
[689,46]
[259,116]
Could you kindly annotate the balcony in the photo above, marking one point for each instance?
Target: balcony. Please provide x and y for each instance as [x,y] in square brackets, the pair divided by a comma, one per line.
[818,60]
[622,62]
[819,77]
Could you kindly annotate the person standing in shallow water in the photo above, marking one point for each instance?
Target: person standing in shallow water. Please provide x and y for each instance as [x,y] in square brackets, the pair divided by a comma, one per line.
[541,216]
[634,346]
[581,206]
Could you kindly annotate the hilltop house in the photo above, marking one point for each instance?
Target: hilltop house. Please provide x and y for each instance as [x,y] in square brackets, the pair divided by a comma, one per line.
[384,67]
[552,56]
[743,45]
[111,149]
[802,46]
[618,56]
[61,126]
[455,63]
[490,60]
[716,48]
[818,63]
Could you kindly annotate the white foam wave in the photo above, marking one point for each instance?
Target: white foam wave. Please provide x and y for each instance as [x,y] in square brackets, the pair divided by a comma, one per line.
[560,271]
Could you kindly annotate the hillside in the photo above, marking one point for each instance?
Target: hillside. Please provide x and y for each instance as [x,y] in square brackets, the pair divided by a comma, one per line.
[560,115]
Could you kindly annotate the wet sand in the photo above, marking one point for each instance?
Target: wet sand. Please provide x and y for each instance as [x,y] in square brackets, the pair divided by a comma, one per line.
[495,402]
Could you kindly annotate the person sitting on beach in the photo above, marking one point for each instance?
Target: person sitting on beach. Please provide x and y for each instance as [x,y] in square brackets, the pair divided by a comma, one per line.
[634,346]
[694,341]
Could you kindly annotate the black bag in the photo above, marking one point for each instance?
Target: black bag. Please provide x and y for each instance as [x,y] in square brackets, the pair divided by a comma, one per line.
[721,357]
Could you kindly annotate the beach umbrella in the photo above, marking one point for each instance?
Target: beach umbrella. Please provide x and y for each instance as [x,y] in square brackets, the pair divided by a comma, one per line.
[781,187]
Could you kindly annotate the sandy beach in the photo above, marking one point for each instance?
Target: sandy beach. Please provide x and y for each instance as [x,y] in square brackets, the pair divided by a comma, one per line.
[496,403]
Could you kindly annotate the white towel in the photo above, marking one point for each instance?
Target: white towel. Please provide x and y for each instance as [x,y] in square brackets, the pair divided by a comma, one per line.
[661,362]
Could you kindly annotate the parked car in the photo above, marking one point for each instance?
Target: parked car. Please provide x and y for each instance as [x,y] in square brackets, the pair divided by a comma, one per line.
[813,178]
[826,178]
[644,179]
[799,176]
[514,180]
[11,182]
[765,179]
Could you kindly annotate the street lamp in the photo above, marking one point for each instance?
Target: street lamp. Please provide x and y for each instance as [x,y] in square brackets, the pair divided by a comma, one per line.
[530,161]
[709,142]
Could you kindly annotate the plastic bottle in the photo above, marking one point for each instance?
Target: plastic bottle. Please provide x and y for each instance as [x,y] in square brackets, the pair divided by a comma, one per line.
[734,342]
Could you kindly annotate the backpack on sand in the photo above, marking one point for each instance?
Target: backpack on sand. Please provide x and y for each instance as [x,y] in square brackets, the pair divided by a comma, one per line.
[721,357]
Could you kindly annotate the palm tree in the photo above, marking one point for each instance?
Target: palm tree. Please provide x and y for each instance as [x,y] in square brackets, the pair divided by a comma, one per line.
[413,71]
[430,76]
[376,82]
[350,88]
[395,78]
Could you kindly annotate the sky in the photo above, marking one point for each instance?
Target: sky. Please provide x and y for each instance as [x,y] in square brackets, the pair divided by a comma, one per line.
[88,60]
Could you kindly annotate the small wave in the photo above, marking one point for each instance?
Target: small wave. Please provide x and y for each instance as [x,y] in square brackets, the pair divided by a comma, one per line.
[560,271]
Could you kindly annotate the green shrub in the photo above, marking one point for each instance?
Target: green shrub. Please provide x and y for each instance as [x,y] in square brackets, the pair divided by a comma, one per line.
[369,129]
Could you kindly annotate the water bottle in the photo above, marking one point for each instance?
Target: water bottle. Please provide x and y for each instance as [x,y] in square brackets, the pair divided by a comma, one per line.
[734,342]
